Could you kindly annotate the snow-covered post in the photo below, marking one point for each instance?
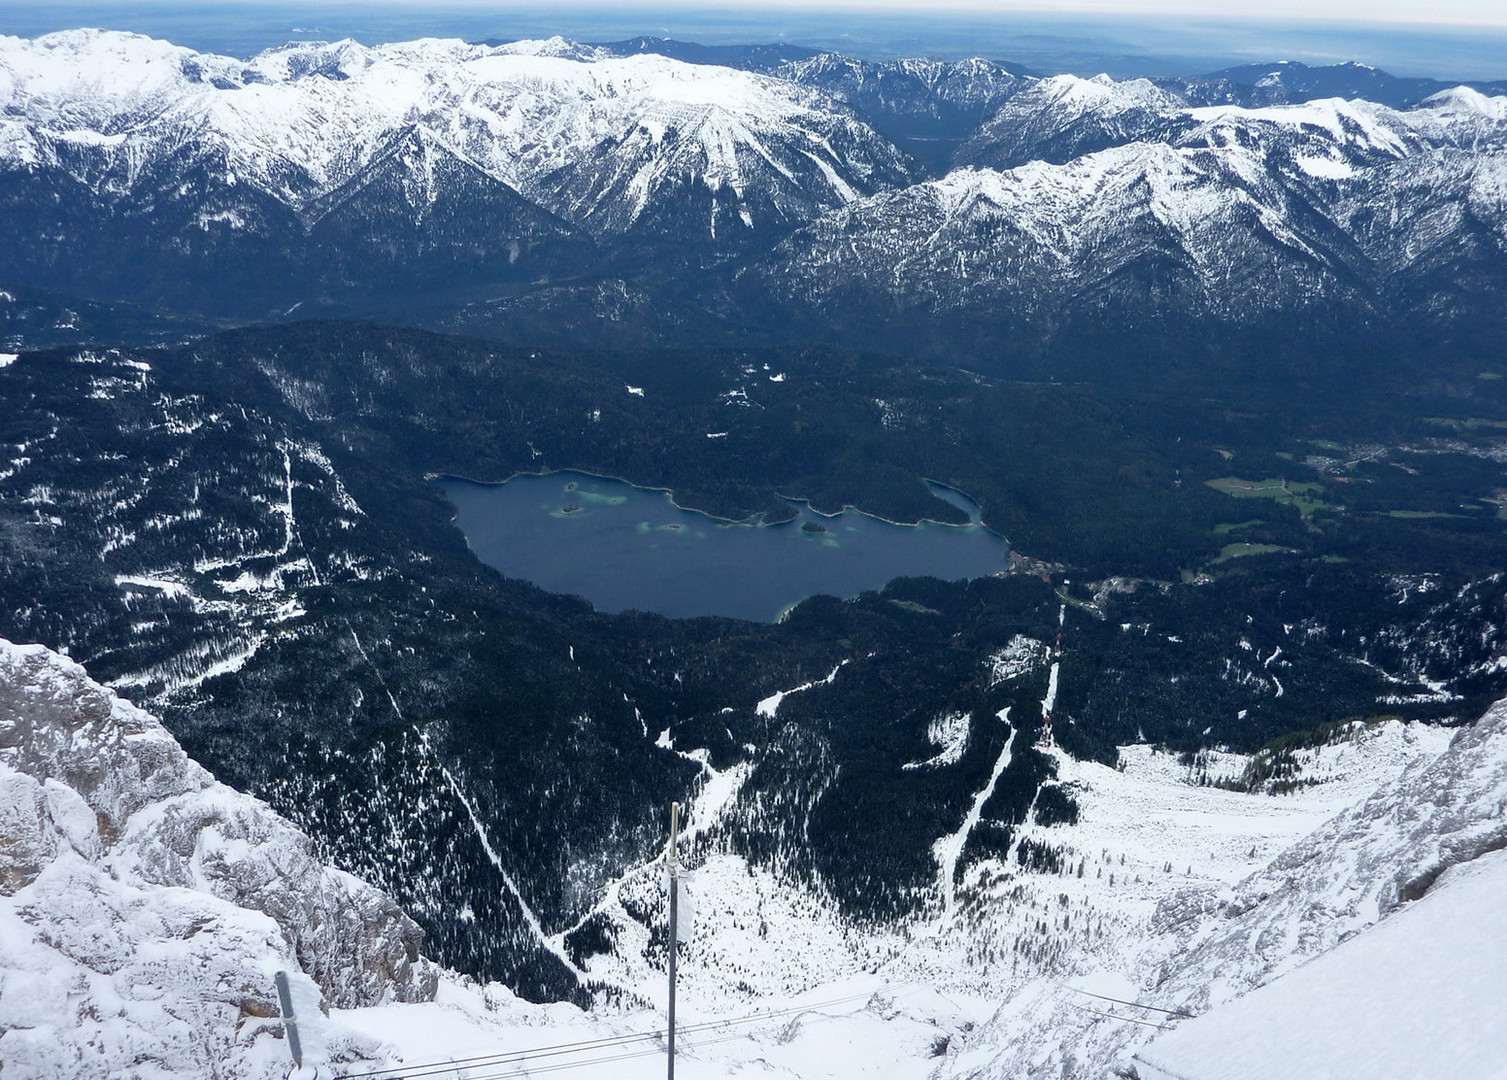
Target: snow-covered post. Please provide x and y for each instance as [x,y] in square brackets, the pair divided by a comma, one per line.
[672,863]
[290,1020]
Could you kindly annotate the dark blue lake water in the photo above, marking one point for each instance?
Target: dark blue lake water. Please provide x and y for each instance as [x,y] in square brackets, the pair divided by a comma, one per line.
[624,547]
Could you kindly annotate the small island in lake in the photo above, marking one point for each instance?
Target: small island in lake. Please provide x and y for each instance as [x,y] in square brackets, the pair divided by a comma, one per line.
[656,556]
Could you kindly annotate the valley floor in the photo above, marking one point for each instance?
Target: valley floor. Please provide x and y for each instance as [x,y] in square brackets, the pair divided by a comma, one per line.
[895,1006]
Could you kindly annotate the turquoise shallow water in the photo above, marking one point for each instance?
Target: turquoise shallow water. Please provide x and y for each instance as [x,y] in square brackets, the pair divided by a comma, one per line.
[623,547]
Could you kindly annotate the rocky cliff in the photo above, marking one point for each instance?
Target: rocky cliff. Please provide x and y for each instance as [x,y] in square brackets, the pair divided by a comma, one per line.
[144,907]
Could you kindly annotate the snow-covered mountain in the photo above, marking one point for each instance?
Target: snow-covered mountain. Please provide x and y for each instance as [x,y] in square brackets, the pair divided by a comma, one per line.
[1289,82]
[486,164]
[1225,212]
[144,907]
[1417,994]
[527,183]
[597,140]
[1440,821]
[1065,117]
[928,106]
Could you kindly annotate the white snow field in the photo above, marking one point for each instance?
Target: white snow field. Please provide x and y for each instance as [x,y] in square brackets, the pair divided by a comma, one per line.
[1420,995]
[858,1027]
[1205,948]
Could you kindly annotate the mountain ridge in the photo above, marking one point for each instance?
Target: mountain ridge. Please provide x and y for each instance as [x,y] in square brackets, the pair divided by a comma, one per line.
[546,183]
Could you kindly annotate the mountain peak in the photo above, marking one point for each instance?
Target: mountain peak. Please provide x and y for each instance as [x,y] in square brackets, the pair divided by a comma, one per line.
[1465,100]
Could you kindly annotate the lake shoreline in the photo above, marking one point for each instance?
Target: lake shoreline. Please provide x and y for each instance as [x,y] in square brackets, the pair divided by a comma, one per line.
[753,519]
[617,554]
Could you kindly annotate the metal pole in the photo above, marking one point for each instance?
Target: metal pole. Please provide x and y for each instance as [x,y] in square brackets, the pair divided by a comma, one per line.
[672,861]
[290,1022]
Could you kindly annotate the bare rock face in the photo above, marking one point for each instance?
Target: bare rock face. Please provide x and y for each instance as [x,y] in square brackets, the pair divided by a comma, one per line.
[144,906]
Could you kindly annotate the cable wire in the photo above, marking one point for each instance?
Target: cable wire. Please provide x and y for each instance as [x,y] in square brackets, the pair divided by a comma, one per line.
[530,1070]
[483,1061]
[1178,1013]
[1122,1019]
[650,1052]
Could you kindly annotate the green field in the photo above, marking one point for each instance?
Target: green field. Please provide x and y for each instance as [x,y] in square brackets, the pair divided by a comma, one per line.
[1225,528]
[1303,496]
[1240,551]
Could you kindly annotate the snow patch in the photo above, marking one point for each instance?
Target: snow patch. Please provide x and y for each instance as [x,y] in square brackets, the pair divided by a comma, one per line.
[949,849]
[771,705]
[1325,168]
[948,732]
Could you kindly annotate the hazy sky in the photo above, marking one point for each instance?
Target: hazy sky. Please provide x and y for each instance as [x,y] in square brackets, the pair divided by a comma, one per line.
[1447,39]
[1436,12]
[1479,12]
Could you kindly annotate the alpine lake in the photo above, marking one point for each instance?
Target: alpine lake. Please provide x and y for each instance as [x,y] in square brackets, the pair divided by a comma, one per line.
[630,548]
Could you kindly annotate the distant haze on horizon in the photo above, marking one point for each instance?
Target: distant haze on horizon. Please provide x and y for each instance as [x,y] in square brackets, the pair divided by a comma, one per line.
[1364,12]
[1361,12]
[1463,39]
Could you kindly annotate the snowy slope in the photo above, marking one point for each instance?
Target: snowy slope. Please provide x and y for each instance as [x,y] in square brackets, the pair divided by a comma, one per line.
[1065,899]
[1206,946]
[927,105]
[1418,995]
[1064,117]
[858,1027]
[1204,230]
[453,173]
[144,907]
[770,983]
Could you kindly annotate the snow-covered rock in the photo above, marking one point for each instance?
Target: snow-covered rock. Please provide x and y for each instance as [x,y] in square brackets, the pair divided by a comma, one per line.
[1200,230]
[1206,946]
[1417,995]
[144,907]
[1119,201]
[925,98]
[337,170]
[1359,867]
[1064,117]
